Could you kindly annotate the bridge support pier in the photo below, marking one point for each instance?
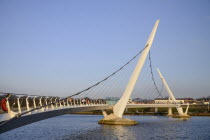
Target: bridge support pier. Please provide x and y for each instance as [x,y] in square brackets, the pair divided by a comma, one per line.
[178,106]
[156,110]
[183,114]
[104,113]
[126,109]
[169,112]
[112,119]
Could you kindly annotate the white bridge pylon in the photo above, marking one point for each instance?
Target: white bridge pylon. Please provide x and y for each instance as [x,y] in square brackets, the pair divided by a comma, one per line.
[119,107]
[178,107]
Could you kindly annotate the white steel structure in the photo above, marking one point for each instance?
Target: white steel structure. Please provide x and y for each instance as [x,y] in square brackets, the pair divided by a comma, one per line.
[178,106]
[121,104]
[11,120]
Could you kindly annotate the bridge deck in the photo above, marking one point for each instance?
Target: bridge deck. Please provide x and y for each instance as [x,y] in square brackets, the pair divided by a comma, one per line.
[48,113]
[34,117]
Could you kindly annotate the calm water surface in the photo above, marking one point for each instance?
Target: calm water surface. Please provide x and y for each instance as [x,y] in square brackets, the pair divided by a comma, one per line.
[85,127]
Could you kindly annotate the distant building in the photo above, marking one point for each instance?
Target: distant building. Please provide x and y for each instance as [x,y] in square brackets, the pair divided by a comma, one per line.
[167,101]
[206,103]
[179,100]
[203,101]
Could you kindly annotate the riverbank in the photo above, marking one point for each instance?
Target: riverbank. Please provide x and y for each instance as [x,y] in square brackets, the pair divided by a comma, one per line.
[144,113]
[194,110]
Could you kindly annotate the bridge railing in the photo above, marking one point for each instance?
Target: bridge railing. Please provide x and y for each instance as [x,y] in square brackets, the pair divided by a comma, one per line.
[16,105]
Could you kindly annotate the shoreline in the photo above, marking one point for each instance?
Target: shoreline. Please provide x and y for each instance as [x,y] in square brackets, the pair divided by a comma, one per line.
[146,113]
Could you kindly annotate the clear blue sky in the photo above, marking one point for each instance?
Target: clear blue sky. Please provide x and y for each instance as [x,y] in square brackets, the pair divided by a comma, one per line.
[53,47]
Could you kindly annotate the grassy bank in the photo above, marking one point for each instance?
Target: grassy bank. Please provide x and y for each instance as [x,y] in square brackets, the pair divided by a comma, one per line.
[194,110]
[144,113]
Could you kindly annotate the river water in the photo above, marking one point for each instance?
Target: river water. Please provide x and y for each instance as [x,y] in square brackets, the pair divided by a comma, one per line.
[85,127]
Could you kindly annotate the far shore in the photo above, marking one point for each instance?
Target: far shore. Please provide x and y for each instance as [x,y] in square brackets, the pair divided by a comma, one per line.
[194,110]
[145,113]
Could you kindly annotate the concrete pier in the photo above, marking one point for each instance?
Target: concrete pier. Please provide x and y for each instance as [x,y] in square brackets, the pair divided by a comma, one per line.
[114,120]
[156,110]
[169,112]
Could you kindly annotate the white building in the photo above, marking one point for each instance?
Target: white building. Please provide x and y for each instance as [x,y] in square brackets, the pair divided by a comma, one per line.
[167,101]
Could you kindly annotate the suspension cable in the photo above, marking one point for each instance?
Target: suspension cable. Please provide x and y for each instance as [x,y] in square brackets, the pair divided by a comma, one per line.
[153,79]
[161,89]
[109,75]
[21,114]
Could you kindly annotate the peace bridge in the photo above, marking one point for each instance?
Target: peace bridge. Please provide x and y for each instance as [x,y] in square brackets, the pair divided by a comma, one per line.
[33,108]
